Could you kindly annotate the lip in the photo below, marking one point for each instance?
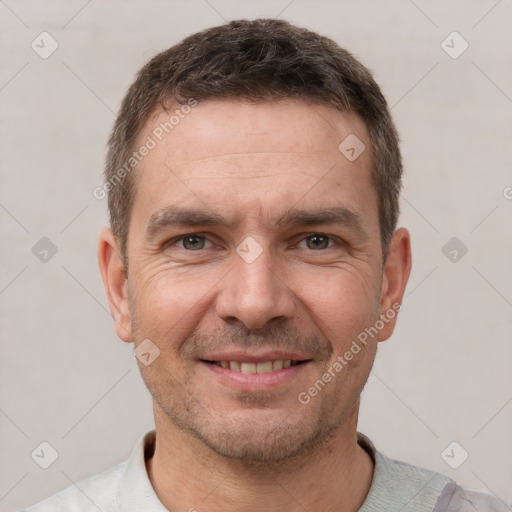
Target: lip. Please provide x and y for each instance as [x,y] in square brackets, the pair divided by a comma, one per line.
[253,382]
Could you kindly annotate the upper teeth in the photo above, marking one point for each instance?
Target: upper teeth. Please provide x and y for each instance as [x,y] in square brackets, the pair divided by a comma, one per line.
[264,367]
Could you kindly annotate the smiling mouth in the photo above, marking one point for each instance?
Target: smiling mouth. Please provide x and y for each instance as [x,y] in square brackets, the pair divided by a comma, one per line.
[253,368]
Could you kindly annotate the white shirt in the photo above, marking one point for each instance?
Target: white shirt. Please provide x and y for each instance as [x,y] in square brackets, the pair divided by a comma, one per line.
[396,486]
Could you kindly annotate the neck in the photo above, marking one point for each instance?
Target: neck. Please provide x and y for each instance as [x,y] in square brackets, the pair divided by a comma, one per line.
[186,475]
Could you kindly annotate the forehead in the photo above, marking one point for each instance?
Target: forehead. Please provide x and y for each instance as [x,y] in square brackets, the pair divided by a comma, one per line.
[253,158]
[214,127]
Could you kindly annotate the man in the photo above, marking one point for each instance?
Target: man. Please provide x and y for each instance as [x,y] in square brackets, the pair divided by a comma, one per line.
[253,178]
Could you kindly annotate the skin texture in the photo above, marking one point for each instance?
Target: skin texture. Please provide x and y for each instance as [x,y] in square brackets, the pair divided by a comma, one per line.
[219,446]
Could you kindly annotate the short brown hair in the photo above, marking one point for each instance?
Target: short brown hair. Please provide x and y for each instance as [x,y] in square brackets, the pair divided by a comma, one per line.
[255,60]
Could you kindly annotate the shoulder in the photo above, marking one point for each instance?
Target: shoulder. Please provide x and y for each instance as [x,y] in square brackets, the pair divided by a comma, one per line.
[121,488]
[98,492]
[456,498]
[398,485]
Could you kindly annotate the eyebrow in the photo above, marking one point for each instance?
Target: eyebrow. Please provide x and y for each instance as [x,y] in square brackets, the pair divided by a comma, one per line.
[173,216]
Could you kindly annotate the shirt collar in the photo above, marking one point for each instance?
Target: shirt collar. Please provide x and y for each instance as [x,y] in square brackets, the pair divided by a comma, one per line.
[135,489]
[395,484]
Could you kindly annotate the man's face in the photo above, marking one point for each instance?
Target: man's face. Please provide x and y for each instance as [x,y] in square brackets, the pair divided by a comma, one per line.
[254,241]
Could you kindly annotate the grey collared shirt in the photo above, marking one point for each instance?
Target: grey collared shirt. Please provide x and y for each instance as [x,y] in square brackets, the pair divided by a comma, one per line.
[396,487]
[401,487]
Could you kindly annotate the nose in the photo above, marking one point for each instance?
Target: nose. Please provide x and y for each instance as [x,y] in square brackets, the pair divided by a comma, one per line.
[255,294]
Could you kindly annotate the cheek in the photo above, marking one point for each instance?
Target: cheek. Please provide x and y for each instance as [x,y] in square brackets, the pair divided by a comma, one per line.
[342,305]
[168,304]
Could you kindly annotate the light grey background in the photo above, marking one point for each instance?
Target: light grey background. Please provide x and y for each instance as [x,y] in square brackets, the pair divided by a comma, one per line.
[445,375]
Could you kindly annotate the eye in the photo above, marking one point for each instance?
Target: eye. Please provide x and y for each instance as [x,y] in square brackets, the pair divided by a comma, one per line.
[192,242]
[317,242]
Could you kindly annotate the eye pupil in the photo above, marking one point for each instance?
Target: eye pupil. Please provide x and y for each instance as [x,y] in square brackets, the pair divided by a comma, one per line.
[193,242]
[317,242]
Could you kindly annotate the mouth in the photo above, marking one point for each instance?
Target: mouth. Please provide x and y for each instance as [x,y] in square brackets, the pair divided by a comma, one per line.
[253,372]
[257,367]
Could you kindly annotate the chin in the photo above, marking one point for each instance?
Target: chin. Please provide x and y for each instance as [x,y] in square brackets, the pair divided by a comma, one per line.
[260,436]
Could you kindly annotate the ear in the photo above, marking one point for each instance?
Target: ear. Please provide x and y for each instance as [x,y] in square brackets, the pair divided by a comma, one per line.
[395,276]
[115,282]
